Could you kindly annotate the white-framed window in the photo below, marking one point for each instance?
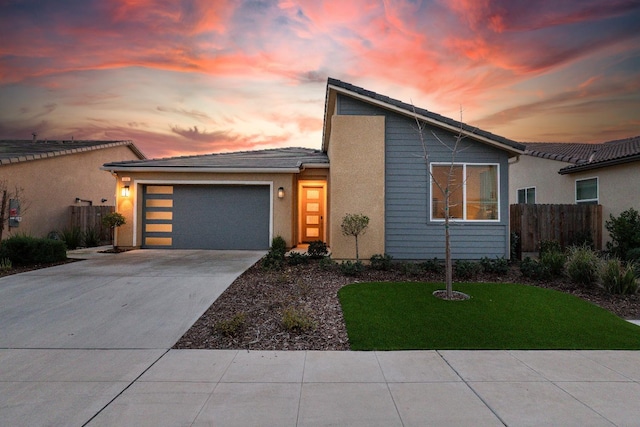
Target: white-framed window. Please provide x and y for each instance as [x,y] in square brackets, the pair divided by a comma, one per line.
[587,191]
[474,191]
[527,195]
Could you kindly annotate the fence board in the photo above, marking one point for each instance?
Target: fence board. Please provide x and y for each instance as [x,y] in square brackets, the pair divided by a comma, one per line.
[90,217]
[565,224]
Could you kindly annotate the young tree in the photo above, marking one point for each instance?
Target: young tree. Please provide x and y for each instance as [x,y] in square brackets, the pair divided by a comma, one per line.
[354,225]
[448,185]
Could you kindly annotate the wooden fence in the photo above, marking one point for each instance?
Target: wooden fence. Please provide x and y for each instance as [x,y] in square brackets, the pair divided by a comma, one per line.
[90,218]
[566,224]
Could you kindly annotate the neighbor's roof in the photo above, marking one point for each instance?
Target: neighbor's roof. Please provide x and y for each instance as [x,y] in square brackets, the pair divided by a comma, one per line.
[15,151]
[336,86]
[587,156]
[278,160]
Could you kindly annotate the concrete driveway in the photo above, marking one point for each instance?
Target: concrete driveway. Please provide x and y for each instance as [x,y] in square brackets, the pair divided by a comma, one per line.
[142,299]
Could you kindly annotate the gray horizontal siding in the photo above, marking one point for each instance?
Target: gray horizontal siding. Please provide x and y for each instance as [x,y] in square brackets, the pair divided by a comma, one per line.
[409,234]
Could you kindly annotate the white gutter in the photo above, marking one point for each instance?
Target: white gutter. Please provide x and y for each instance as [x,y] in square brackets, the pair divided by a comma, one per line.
[188,169]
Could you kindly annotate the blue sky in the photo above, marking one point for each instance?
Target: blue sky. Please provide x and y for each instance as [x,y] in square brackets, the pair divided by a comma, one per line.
[203,76]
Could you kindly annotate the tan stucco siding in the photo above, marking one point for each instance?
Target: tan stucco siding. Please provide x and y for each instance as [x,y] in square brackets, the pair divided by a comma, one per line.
[551,187]
[356,184]
[50,186]
[283,209]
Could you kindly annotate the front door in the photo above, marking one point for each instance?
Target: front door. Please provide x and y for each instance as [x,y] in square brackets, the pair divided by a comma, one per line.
[312,211]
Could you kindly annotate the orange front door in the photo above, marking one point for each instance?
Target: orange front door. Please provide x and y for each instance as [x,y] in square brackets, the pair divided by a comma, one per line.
[312,213]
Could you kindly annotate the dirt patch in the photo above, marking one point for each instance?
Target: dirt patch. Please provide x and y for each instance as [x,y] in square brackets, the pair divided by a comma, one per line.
[251,309]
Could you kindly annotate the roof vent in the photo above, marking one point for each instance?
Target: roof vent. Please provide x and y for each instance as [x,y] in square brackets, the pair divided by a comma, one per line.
[593,154]
[35,137]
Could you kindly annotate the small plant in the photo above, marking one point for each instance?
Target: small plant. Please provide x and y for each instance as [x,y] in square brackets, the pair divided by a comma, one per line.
[231,327]
[26,250]
[514,243]
[91,237]
[553,261]
[495,266]
[625,233]
[113,220]
[583,265]
[350,268]
[296,258]
[432,265]
[411,269]
[72,237]
[317,249]
[466,270]
[533,269]
[549,246]
[354,225]
[274,259]
[326,263]
[381,262]
[5,264]
[296,320]
[618,278]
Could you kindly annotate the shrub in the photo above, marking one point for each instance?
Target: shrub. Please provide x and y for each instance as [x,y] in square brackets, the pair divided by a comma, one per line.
[274,259]
[495,266]
[514,243]
[295,320]
[553,261]
[617,278]
[231,327]
[411,269]
[351,268]
[583,265]
[466,270]
[381,262]
[113,219]
[296,258]
[633,255]
[72,237]
[91,237]
[5,264]
[432,265]
[317,249]
[549,246]
[625,233]
[326,263]
[27,250]
[354,225]
[533,269]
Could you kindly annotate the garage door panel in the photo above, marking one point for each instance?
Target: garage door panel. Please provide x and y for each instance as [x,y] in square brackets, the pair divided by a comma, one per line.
[216,217]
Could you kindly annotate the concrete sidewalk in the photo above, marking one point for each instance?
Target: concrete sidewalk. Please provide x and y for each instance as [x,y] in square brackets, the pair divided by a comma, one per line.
[275,388]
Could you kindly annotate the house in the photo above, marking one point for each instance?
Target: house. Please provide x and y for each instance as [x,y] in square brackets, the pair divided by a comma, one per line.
[566,173]
[371,162]
[51,176]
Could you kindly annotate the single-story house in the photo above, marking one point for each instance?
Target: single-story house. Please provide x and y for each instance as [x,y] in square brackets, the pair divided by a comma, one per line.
[566,173]
[51,176]
[371,162]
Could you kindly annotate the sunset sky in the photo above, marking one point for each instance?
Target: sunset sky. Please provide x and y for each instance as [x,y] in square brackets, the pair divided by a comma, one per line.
[182,77]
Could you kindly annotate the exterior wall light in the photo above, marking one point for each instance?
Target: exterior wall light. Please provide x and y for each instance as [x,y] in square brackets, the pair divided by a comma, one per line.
[125,191]
[280,193]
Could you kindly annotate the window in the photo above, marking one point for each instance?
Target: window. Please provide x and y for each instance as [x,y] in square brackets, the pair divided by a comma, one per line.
[587,191]
[527,195]
[473,190]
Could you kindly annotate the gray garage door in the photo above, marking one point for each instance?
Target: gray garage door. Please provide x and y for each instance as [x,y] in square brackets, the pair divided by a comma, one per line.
[206,216]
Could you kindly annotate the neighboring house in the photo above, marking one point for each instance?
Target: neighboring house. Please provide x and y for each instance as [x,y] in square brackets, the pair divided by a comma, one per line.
[371,162]
[53,175]
[566,173]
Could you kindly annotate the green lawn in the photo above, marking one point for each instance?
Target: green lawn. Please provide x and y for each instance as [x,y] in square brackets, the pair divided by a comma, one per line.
[403,316]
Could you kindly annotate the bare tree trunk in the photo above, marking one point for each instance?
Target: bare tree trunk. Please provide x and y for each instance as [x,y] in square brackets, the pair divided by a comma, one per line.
[357,253]
[447,249]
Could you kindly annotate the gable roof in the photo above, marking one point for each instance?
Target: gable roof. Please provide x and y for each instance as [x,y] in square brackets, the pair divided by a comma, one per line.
[587,156]
[16,151]
[278,160]
[335,86]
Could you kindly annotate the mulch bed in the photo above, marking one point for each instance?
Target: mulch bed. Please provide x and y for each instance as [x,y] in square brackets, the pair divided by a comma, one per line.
[251,309]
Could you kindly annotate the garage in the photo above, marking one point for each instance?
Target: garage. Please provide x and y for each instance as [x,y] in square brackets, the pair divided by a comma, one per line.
[221,216]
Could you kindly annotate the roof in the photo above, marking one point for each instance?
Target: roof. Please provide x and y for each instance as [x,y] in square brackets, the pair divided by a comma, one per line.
[16,151]
[584,156]
[278,160]
[334,85]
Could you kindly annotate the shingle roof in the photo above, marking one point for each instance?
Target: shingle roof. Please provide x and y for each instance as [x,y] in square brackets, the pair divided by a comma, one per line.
[276,160]
[409,109]
[587,156]
[15,151]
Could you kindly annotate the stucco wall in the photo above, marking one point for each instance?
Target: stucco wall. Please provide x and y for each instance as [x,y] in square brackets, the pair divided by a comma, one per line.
[551,187]
[50,186]
[356,184]
[131,207]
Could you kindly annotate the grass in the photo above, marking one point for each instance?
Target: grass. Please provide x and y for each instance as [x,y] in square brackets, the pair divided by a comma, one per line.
[403,316]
